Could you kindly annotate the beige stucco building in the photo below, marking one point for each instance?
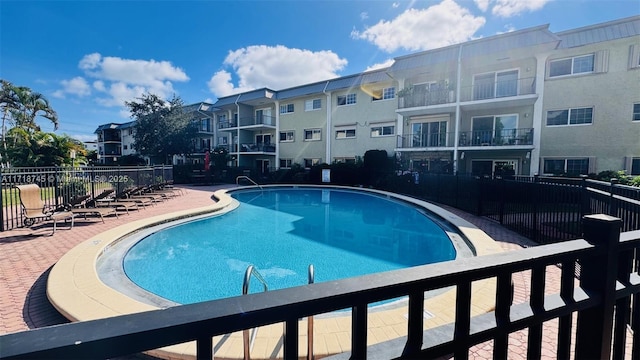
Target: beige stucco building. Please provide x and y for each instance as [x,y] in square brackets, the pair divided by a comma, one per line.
[526,102]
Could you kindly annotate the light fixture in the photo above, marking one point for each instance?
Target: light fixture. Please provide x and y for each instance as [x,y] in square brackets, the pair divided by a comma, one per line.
[462,155]
[528,155]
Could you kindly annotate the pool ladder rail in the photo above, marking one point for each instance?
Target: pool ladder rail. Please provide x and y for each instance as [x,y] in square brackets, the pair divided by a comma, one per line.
[249,180]
[248,340]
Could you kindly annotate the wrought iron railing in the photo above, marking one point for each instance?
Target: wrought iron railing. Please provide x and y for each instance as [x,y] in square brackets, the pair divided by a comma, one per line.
[504,137]
[60,184]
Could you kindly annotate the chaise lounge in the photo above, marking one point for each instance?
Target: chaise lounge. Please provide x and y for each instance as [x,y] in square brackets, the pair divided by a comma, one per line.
[34,208]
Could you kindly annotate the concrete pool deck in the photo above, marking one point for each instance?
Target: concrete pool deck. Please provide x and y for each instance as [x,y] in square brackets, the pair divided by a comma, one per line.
[25,263]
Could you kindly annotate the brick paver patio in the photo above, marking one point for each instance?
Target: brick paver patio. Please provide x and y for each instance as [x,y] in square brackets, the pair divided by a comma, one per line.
[25,261]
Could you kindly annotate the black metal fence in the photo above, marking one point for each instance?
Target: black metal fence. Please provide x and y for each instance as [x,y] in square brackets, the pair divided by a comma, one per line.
[58,185]
[600,303]
[543,209]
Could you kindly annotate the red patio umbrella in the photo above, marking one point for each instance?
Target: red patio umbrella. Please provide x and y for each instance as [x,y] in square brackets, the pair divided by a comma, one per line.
[206,160]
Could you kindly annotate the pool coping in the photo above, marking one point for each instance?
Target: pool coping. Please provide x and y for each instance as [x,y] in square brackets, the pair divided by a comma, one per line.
[76,291]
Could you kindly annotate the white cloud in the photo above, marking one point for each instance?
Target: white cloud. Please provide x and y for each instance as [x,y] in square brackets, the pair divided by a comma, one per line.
[508,8]
[77,86]
[483,5]
[436,26]
[118,80]
[276,67]
[395,5]
[364,15]
[381,65]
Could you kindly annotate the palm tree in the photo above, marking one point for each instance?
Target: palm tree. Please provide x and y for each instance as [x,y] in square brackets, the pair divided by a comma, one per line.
[9,102]
[33,104]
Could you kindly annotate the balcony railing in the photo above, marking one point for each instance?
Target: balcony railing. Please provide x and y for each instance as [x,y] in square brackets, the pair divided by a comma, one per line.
[426,140]
[505,137]
[249,121]
[437,95]
[270,148]
[498,89]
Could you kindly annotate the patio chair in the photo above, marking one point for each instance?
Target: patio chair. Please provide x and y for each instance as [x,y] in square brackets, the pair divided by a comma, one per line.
[34,208]
[78,206]
[125,195]
[106,199]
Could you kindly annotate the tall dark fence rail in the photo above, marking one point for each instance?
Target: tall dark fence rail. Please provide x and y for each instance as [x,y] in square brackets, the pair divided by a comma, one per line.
[59,185]
[543,209]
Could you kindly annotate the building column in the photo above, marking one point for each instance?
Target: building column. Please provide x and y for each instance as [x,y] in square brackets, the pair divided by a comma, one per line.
[534,159]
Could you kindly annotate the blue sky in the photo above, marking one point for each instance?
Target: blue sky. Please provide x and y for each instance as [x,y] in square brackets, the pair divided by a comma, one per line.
[88,57]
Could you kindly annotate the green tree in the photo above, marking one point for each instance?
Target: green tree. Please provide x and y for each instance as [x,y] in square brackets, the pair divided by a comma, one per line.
[25,106]
[162,128]
[39,148]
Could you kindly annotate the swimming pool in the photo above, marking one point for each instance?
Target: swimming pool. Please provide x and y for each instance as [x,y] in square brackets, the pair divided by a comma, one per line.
[280,232]
[88,282]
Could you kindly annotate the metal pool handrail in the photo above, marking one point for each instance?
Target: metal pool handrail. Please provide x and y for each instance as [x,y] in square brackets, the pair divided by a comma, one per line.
[310,320]
[249,179]
[245,290]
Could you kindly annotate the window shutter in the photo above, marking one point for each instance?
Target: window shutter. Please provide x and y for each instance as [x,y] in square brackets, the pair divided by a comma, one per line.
[601,61]
[592,164]
[634,56]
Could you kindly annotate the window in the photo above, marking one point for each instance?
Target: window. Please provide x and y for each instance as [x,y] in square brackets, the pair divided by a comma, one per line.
[125,147]
[384,94]
[204,124]
[130,131]
[346,99]
[386,130]
[427,134]
[312,134]
[287,136]
[495,84]
[575,65]
[636,112]
[311,162]
[566,166]
[635,166]
[286,109]
[311,105]
[576,116]
[345,133]
[286,163]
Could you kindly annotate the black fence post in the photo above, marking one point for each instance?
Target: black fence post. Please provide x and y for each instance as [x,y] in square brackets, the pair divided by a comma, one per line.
[56,186]
[598,279]
[93,181]
[613,206]
[534,209]
[479,197]
[502,199]
[585,200]
[2,202]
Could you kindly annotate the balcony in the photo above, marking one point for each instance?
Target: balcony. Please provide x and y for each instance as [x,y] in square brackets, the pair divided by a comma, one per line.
[502,138]
[254,122]
[438,99]
[505,137]
[258,148]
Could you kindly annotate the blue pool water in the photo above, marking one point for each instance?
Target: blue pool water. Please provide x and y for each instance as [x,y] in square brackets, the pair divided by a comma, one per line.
[281,231]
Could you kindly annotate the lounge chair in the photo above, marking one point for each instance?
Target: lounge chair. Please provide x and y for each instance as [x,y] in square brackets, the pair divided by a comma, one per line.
[78,206]
[125,196]
[106,199]
[34,208]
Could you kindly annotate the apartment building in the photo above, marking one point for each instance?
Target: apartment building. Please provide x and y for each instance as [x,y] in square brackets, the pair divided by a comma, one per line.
[115,140]
[527,102]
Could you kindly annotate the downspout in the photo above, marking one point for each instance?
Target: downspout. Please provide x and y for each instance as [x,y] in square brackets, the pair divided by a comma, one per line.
[456,130]
[237,130]
[534,159]
[328,143]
